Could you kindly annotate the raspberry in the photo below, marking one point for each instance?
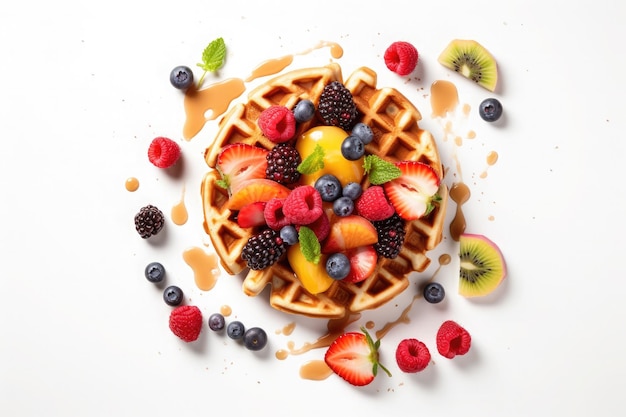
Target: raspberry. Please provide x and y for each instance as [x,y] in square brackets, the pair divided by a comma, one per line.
[373,204]
[321,227]
[303,205]
[163,152]
[401,58]
[277,123]
[273,212]
[452,340]
[412,356]
[186,322]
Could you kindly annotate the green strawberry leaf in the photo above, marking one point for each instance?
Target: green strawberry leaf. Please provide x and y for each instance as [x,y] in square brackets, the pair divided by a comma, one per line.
[309,245]
[379,170]
[213,58]
[313,162]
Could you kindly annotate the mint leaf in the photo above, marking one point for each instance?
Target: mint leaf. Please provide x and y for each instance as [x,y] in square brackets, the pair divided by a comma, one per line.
[313,162]
[309,245]
[379,170]
[213,58]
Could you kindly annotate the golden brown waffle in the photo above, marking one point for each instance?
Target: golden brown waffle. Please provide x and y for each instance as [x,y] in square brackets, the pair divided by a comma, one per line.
[397,136]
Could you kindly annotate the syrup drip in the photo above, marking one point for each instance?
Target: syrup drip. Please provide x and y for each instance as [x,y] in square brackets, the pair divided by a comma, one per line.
[444,98]
[460,194]
[204,266]
[492,158]
[132,184]
[179,211]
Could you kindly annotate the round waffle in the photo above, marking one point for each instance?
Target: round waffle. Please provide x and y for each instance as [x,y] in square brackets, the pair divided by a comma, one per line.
[397,136]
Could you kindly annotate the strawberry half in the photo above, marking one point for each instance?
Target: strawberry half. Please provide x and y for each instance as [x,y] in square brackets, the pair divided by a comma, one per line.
[354,357]
[363,262]
[239,162]
[413,193]
[252,215]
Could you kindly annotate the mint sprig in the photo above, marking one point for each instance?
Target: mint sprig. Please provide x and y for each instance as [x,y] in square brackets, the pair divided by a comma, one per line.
[312,163]
[213,58]
[309,245]
[379,170]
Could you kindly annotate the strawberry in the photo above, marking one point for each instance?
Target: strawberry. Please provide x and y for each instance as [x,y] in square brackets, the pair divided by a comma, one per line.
[362,263]
[252,215]
[413,193]
[354,357]
[186,322]
[239,162]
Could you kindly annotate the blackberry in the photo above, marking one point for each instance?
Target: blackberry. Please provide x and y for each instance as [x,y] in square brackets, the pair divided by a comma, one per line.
[149,221]
[282,164]
[336,106]
[391,234]
[263,249]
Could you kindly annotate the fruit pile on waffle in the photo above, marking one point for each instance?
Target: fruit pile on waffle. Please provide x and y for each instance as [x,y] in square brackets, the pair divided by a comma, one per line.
[325,189]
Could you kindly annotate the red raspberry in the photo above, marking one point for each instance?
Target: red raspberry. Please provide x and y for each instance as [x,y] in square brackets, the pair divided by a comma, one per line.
[412,356]
[163,152]
[401,58]
[321,227]
[373,204]
[274,216]
[186,322]
[453,340]
[277,123]
[303,205]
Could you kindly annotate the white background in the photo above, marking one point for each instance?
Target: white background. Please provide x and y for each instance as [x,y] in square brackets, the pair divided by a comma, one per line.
[85,89]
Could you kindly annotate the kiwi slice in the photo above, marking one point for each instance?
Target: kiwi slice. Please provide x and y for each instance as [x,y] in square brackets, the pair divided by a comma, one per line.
[471,60]
[482,265]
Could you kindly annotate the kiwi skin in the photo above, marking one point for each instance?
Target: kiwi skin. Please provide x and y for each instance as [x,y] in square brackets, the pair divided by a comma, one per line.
[482,266]
[471,60]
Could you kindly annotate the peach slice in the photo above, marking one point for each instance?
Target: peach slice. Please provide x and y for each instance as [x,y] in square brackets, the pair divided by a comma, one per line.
[256,190]
[349,232]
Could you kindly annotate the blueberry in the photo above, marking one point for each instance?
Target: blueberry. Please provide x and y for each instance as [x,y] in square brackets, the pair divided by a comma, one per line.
[255,338]
[304,111]
[155,272]
[329,187]
[363,132]
[235,330]
[343,206]
[181,77]
[338,266]
[173,295]
[289,235]
[352,190]
[216,322]
[434,293]
[490,109]
[352,148]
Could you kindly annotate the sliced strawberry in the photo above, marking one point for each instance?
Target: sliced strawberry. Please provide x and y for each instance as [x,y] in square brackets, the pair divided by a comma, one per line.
[252,215]
[349,232]
[354,357]
[255,190]
[412,193]
[239,162]
[362,263]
